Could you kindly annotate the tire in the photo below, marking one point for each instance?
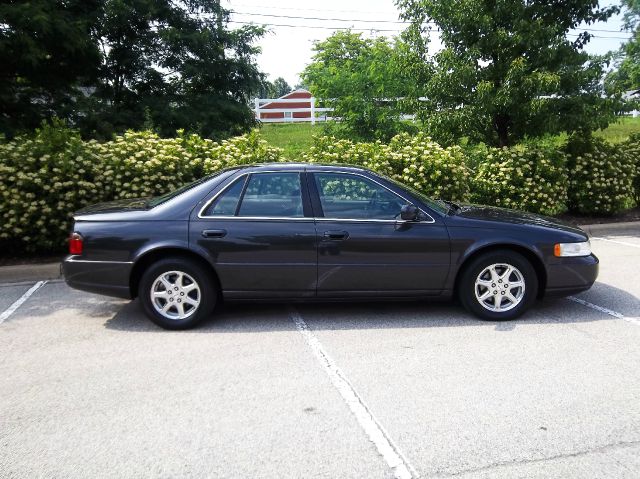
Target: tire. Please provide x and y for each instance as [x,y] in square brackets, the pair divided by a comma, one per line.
[492,297]
[184,293]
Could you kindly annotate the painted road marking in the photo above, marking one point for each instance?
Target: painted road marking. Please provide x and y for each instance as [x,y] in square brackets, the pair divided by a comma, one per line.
[616,241]
[374,430]
[11,309]
[608,311]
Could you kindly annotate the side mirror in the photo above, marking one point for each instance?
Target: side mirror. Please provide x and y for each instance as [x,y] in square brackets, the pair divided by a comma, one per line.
[409,213]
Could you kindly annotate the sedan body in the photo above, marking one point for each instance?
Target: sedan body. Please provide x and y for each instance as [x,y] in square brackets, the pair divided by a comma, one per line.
[291,231]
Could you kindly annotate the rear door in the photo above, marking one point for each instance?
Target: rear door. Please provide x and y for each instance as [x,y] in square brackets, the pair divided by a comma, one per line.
[364,249]
[261,235]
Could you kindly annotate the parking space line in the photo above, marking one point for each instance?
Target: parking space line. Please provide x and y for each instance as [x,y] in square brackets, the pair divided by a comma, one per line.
[18,302]
[616,241]
[374,430]
[608,311]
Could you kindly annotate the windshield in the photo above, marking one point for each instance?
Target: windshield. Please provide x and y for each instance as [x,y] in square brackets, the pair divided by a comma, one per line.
[433,204]
[157,200]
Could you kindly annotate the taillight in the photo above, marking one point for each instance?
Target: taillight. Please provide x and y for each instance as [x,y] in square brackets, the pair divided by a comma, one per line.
[75,243]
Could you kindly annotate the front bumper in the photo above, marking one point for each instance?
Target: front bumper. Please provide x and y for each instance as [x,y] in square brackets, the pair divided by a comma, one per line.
[110,278]
[571,275]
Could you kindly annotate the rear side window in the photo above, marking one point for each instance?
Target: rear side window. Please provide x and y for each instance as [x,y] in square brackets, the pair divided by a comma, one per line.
[272,194]
[264,195]
[227,203]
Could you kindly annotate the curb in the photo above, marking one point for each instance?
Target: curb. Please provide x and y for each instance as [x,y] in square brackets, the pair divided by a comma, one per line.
[606,227]
[20,273]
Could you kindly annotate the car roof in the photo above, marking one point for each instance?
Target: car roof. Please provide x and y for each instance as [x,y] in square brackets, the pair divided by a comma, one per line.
[296,166]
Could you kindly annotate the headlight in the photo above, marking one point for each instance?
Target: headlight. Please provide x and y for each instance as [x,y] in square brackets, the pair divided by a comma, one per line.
[572,249]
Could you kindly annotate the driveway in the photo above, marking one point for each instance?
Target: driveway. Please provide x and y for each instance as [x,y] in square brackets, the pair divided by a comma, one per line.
[90,388]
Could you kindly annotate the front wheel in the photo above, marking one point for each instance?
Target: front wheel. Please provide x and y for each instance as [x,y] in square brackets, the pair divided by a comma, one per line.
[498,286]
[177,293]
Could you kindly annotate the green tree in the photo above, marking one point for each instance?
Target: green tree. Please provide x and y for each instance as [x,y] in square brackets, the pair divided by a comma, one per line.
[279,88]
[627,74]
[46,52]
[176,65]
[507,68]
[361,79]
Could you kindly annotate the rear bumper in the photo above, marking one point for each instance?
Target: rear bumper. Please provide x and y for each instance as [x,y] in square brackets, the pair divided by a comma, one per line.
[110,278]
[572,275]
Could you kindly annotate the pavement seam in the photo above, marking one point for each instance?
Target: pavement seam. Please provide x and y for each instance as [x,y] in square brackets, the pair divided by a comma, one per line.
[18,302]
[371,426]
[604,310]
[497,465]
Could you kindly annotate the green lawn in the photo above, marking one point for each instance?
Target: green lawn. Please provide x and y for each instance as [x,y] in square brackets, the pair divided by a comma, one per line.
[293,138]
[621,130]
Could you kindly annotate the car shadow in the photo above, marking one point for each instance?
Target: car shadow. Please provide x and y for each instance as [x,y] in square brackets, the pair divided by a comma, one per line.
[267,317]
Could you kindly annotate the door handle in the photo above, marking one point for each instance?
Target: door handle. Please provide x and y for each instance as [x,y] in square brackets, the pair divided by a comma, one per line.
[214,233]
[336,235]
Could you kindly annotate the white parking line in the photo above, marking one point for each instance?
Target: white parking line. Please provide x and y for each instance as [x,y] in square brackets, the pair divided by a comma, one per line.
[11,309]
[602,309]
[374,430]
[616,241]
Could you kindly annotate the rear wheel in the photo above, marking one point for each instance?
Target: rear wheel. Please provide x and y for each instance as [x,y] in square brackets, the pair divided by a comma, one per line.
[177,293]
[498,286]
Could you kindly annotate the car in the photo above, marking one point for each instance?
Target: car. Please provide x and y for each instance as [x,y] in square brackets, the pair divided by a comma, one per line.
[312,232]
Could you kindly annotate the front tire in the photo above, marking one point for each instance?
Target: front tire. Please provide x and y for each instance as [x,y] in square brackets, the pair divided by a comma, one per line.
[177,293]
[498,286]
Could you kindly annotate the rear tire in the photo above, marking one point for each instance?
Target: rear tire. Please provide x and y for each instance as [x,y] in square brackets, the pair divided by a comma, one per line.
[498,286]
[177,293]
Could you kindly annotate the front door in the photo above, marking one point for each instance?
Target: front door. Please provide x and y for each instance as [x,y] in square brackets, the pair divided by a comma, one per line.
[261,236]
[365,249]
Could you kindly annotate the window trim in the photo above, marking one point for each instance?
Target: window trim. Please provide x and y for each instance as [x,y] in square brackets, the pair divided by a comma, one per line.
[429,219]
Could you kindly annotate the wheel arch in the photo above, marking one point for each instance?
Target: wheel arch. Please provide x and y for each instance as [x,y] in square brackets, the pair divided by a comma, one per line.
[151,256]
[529,254]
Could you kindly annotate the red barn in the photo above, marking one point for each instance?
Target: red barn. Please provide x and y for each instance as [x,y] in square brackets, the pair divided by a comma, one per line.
[290,103]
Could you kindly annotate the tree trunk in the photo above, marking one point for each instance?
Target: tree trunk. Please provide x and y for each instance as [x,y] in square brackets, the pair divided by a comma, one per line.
[501,124]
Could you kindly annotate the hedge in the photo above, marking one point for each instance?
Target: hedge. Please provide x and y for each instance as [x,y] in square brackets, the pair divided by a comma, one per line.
[48,176]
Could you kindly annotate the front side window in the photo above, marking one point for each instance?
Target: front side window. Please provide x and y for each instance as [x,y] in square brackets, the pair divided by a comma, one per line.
[346,196]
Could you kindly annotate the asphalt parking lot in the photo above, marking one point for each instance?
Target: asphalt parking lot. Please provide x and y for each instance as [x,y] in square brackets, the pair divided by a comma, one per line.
[90,388]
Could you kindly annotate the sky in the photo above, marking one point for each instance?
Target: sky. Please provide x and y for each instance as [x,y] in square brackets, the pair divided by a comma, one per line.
[287,48]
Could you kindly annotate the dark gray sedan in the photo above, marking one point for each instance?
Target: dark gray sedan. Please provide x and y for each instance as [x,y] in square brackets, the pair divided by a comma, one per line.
[308,232]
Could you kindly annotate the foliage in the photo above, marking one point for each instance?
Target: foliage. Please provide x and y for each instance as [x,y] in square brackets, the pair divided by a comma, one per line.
[143,63]
[46,52]
[48,176]
[531,178]
[279,87]
[601,176]
[632,148]
[360,79]
[626,77]
[507,69]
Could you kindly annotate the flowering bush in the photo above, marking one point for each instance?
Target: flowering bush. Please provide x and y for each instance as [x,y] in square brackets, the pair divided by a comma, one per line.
[601,176]
[523,177]
[45,178]
[414,160]
[632,148]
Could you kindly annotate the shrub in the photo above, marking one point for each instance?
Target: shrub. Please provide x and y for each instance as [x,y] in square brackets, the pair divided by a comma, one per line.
[328,149]
[48,176]
[601,176]
[632,148]
[525,177]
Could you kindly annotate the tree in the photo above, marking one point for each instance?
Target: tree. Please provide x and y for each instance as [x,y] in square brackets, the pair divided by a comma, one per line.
[507,69]
[174,65]
[361,79]
[627,75]
[46,53]
[279,88]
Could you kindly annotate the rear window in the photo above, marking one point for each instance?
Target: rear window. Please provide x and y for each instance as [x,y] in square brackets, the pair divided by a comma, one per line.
[158,200]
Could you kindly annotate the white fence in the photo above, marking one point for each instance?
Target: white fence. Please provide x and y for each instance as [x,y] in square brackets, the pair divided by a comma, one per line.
[315,114]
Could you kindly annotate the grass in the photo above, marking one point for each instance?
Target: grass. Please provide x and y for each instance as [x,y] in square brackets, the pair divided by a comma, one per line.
[295,138]
[620,131]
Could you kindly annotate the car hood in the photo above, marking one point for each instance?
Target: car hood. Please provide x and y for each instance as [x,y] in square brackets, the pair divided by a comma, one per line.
[504,215]
[131,204]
